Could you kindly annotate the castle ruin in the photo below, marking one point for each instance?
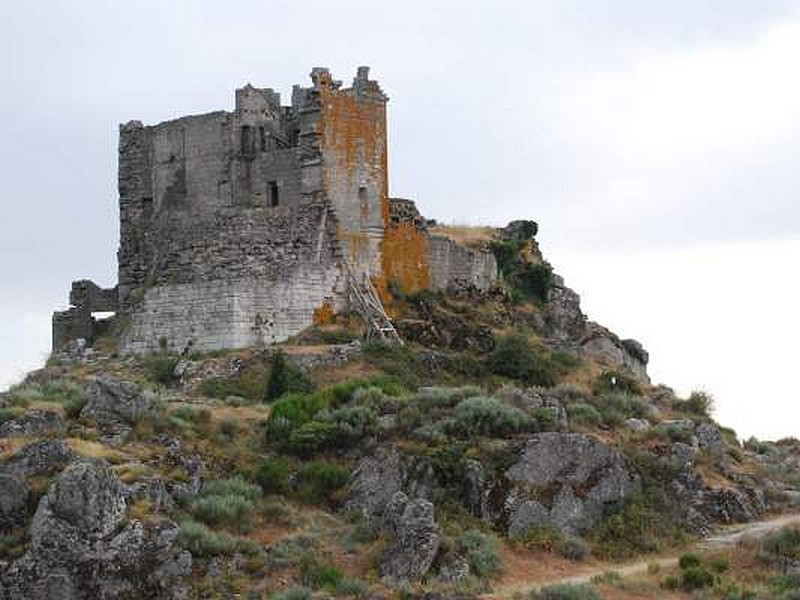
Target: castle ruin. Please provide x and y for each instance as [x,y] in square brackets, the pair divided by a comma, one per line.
[242,228]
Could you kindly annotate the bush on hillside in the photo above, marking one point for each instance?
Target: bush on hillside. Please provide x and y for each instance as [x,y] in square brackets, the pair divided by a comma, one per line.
[482,552]
[320,481]
[273,476]
[489,417]
[284,378]
[699,403]
[514,356]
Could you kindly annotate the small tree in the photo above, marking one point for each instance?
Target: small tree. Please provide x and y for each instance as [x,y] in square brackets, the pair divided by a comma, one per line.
[278,382]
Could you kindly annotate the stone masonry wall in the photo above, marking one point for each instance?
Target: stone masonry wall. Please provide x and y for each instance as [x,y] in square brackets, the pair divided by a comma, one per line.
[233,313]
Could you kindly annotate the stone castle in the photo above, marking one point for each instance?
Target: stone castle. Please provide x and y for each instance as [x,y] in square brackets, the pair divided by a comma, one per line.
[243,228]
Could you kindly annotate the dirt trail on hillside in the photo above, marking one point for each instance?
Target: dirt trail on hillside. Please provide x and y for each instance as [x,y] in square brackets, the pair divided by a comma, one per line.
[724,538]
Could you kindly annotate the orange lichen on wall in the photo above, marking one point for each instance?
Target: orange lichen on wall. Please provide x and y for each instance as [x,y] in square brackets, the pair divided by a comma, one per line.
[324,314]
[405,258]
[353,138]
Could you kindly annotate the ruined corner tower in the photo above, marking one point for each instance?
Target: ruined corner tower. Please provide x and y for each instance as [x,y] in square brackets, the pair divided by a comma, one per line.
[235,227]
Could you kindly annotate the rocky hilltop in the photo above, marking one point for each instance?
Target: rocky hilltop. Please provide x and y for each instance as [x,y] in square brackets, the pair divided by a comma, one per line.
[507,429]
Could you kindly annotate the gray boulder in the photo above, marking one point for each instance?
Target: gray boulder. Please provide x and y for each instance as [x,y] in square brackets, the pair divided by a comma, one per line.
[34,423]
[81,548]
[115,406]
[709,438]
[375,480]
[568,480]
[88,496]
[602,345]
[565,320]
[39,458]
[416,541]
[637,424]
[14,493]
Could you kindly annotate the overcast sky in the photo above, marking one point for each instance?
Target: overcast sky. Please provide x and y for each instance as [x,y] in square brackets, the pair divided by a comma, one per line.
[655,141]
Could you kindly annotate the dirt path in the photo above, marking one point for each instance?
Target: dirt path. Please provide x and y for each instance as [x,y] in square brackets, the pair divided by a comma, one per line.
[724,538]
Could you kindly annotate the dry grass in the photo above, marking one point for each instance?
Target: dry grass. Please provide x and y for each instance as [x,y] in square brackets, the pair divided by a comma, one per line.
[466,235]
[96,450]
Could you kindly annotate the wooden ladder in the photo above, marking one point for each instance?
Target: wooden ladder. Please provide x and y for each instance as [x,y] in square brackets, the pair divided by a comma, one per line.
[365,301]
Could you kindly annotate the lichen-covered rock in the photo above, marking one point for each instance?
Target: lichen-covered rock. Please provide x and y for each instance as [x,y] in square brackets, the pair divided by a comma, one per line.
[14,494]
[602,345]
[34,423]
[565,320]
[416,542]
[375,481]
[567,480]
[637,424]
[709,438]
[116,405]
[39,458]
[732,505]
[81,548]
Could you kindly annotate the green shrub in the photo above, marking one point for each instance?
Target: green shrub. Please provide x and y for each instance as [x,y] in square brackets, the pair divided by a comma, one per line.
[488,416]
[312,436]
[720,564]
[186,418]
[225,501]
[278,381]
[514,356]
[696,578]
[699,403]
[229,427]
[284,378]
[636,529]
[219,510]
[540,537]
[65,392]
[610,381]
[584,414]
[12,412]
[688,560]
[319,481]
[566,591]
[783,544]
[231,487]
[482,552]
[202,541]
[249,383]
[292,411]
[573,548]
[534,281]
[161,367]
[345,392]
[273,476]
[317,575]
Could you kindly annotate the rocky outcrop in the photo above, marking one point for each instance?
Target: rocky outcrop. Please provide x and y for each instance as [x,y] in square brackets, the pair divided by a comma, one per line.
[374,482]
[566,480]
[602,345]
[565,320]
[14,494]
[115,406]
[34,423]
[39,458]
[81,546]
[416,540]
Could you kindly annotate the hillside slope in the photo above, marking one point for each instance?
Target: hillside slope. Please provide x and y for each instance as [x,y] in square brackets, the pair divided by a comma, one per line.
[509,431]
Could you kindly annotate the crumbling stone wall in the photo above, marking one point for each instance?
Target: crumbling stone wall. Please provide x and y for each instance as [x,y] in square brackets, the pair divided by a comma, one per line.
[414,259]
[77,322]
[237,228]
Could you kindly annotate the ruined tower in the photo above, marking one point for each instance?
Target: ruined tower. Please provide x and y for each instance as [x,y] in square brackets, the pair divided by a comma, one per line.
[235,227]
